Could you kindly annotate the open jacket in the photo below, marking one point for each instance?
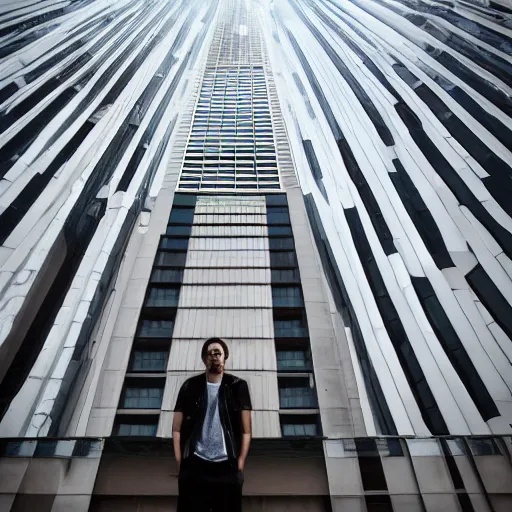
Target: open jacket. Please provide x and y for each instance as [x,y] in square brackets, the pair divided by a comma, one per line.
[192,402]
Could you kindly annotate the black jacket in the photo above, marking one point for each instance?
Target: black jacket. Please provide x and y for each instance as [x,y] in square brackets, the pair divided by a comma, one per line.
[192,401]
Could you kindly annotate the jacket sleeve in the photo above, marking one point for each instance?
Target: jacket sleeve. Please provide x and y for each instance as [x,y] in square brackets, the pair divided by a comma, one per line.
[243,396]
[181,400]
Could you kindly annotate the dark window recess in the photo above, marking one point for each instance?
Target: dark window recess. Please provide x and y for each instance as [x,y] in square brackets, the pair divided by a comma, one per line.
[173,275]
[285,276]
[491,298]
[46,448]
[465,502]
[394,327]
[314,166]
[300,425]
[8,91]
[370,465]
[293,360]
[140,425]
[281,244]
[287,297]
[137,429]
[170,259]
[370,203]
[179,230]
[454,348]
[149,361]
[155,329]
[283,259]
[174,244]
[290,324]
[279,231]
[181,216]
[296,393]
[382,414]
[277,215]
[142,396]
[184,200]
[421,216]
[483,446]
[378,503]
[160,297]
[458,483]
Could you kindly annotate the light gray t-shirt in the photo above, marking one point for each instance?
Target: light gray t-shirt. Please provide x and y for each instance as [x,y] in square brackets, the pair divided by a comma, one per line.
[212,445]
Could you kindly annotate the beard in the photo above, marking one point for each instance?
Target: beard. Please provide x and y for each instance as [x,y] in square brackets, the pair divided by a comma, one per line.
[216,368]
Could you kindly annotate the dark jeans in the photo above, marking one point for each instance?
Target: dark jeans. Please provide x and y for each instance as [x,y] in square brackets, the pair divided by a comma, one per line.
[209,486]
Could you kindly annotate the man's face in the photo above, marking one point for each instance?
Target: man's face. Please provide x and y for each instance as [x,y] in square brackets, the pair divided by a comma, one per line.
[215,358]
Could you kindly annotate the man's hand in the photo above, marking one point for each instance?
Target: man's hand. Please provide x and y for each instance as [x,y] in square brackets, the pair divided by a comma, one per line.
[178,464]
[241,464]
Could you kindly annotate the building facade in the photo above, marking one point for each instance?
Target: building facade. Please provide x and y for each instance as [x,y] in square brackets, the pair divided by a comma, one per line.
[325,184]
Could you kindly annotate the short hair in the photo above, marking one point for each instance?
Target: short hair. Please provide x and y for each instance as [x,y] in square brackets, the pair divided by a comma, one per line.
[208,342]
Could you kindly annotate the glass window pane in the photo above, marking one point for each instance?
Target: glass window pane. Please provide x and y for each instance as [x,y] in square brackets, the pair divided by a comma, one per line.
[149,361]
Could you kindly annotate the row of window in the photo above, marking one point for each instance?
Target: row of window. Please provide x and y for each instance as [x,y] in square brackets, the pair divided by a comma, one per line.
[148,392]
[155,361]
[175,276]
[291,426]
[240,180]
[230,186]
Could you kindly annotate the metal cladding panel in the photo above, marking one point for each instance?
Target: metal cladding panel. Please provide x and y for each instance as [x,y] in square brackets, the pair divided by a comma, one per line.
[244,354]
[226,275]
[224,323]
[242,296]
[227,259]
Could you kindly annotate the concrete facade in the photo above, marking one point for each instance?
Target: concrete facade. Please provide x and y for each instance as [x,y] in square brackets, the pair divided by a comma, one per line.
[323,184]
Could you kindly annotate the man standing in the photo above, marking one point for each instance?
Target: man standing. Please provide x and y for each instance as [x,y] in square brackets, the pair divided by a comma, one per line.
[211,434]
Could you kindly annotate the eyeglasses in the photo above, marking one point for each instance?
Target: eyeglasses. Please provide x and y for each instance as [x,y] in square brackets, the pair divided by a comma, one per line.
[215,353]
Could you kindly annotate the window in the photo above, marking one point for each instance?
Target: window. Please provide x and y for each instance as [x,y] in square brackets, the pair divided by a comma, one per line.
[139,425]
[285,276]
[156,329]
[170,259]
[131,429]
[300,425]
[376,503]
[182,216]
[294,328]
[278,215]
[281,244]
[176,244]
[163,297]
[293,360]
[143,397]
[287,296]
[370,465]
[283,259]
[296,393]
[299,429]
[180,230]
[279,230]
[148,361]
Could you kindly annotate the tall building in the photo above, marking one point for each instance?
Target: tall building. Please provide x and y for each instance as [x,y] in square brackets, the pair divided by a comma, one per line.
[325,184]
